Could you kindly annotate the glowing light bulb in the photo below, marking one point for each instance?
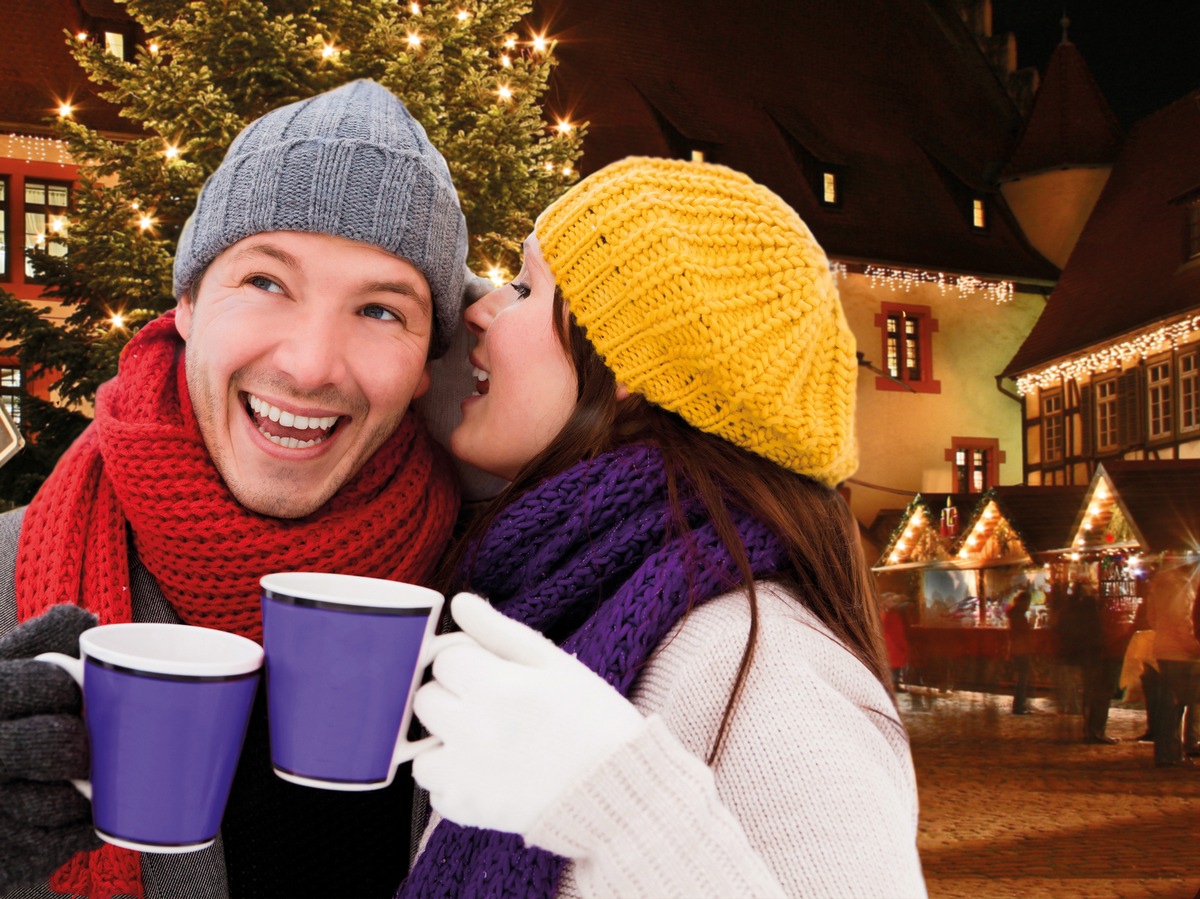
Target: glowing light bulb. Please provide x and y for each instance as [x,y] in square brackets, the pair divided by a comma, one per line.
[510,44]
[58,224]
[145,222]
[135,205]
[414,8]
[463,15]
[328,51]
[566,170]
[172,151]
[414,39]
[117,321]
[565,127]
[505,92]
[153,48]
[65,109]
[539,43]
[506,61]
[81,36]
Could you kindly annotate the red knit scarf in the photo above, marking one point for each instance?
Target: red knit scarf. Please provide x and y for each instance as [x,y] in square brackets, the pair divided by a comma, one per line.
[143,462]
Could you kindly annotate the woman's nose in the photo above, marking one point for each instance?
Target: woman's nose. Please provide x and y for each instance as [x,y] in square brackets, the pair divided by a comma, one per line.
[479,315]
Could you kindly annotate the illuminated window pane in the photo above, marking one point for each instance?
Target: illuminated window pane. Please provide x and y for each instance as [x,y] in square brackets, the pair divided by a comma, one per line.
[697,156]
[1053,429]
[10,391]
[1106,414]
[45,205]
[1161,406]
[829,185]
[114,44]
[978,216]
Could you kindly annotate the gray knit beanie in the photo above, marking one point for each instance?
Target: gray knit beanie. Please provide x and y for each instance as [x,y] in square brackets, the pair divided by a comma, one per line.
[350,163]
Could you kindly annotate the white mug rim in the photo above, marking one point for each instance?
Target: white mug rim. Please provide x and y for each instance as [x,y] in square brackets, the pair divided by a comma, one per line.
[232,654]
[350,590]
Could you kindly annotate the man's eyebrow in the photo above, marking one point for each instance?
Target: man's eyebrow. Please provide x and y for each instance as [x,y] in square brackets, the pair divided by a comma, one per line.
[403,288]
[266,249]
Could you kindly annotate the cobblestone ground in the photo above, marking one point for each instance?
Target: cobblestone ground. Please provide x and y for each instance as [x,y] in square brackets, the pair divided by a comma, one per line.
[1018,806]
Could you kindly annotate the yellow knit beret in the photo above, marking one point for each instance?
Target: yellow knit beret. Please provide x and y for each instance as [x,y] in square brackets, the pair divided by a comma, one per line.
[705,293]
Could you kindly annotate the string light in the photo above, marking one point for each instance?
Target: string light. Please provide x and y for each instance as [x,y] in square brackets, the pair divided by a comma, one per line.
[145,222]
[81,36]
[539,43]
[58,224]
[506,61]
[414,39]
[510,43]
[1113,356]
[34,149]
[966,285]
[117,321]
[153,48]
[172,152]
[65,109]
[566,170]
[328,51]
[463,15]
[505,92]
[414,8]
[565,127]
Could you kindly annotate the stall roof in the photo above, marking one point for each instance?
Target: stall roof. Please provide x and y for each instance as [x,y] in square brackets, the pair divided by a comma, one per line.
[1041,516]
[917,541]
[1158,501]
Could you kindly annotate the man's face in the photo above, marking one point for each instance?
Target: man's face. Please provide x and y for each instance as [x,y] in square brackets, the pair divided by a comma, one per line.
[303,353]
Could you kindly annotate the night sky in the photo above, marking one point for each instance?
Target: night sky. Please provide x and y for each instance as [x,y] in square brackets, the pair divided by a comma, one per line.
[1143,53]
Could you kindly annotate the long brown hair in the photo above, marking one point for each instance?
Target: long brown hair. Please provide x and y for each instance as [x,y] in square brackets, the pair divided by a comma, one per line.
[826,570]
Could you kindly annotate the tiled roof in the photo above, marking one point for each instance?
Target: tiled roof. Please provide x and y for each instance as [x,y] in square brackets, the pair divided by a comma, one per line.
[1128,270]
[896,95]
[1071,122]
[1162,501]
[39,72]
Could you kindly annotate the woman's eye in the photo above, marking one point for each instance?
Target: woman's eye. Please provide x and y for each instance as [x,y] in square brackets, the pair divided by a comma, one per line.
[522,289]
[262,282]
[382,313]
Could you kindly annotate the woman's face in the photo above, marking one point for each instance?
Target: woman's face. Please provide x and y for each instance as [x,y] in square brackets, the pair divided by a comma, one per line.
[525,385]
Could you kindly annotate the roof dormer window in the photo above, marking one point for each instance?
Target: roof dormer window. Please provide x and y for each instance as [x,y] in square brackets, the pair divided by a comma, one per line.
[829,188]
[978,214]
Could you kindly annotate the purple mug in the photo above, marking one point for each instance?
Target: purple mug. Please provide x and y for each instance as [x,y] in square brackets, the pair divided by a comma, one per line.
[344,658]
[166,706]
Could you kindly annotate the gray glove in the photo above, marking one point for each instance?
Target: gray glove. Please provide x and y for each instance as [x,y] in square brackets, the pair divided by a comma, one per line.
[43,744]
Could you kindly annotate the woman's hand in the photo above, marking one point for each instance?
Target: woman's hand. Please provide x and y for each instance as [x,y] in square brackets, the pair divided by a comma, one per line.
[520,722]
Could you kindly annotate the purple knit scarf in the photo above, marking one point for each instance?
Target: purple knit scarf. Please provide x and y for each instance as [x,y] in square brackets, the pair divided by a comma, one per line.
[590,558]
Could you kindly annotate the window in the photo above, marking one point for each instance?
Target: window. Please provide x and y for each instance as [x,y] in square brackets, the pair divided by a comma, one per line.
[45,217]
[1106,415]
[1189,391]
[976,462]
[3,229]
[1194,229]
[978,213]
[697,156]
[114,44]
[11,391]
[1053,428]
[907,348]
[1158,385]
[829,188]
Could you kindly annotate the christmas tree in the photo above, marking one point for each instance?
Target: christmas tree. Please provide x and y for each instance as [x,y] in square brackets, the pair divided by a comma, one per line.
[474,73]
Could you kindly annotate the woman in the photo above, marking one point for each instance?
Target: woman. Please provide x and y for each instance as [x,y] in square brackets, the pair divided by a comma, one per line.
[678,687]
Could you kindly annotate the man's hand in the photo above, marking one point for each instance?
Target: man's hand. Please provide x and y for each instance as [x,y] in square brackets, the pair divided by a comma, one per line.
[520,722]
[43,744]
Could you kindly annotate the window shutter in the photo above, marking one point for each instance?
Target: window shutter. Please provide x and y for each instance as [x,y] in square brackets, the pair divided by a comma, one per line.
[1087,415]
[1131,427]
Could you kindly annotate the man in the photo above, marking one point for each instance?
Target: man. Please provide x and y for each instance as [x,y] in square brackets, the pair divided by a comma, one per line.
[264,425]
[1170,599]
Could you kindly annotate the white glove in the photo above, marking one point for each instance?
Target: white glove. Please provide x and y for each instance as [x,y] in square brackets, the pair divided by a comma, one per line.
[520,721]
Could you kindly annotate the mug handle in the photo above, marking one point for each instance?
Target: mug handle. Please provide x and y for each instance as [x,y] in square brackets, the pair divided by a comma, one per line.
[407,750]
[73,667]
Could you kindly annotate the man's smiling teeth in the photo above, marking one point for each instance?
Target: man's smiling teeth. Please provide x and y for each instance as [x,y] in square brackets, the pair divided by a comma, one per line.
[289,420]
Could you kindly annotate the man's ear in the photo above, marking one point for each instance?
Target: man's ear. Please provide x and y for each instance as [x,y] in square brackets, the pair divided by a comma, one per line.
[623,392]
[426,380]
[183,315]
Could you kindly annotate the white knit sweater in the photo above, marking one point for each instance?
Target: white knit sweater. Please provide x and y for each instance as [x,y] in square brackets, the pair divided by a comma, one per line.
[813,794]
